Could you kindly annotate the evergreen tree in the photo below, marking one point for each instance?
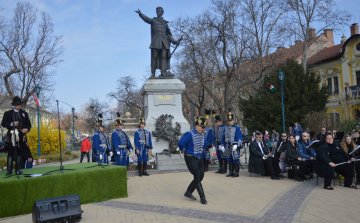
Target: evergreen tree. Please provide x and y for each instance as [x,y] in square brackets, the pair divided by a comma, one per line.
[302,95]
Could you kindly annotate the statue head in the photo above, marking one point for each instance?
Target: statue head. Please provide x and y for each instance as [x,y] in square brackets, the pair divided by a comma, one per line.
[159,11]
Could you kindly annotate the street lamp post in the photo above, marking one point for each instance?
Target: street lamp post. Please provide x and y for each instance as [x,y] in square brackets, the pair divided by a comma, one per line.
[281,78]
[37,91]
[73,111]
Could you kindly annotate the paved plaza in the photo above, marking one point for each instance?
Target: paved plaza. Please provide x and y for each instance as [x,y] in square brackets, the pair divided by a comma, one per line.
[159,198]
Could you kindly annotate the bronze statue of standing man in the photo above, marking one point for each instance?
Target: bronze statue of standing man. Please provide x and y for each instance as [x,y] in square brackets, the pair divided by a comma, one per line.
[161,38]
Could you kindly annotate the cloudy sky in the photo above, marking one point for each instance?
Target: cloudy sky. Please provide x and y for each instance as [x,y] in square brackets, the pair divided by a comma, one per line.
[105,40]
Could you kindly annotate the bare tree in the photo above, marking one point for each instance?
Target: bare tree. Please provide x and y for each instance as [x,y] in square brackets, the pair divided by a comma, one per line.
[89,119]
[28,52]
[128,96]
[224,47]
[302,14]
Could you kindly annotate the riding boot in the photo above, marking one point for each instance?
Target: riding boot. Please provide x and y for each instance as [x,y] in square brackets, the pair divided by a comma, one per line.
[9,165]
[221,163]
[231,170]
[190,190]
[237,167]
[17,165]
[140,170]
[144,169]
[201,193]
[225,167]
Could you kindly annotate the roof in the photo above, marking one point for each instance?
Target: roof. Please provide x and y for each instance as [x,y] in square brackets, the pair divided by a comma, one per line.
[330,53]
[325,54]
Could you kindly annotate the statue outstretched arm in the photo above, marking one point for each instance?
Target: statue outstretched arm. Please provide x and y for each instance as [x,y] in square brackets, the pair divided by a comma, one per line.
[144,17]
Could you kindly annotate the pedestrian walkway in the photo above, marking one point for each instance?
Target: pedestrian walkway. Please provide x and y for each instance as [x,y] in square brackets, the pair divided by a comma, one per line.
[159,198]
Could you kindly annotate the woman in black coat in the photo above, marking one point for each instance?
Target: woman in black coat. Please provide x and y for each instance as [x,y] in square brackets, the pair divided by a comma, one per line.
[330,153]
[293,158]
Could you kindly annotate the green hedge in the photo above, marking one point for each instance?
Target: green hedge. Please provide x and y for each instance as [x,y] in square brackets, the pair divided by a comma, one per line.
[92,185]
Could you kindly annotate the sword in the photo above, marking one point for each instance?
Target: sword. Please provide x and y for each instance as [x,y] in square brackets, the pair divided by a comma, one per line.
[177,45]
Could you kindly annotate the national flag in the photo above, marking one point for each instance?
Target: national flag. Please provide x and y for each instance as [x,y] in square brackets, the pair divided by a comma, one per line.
[187,110]
[75,116]
[272,88]
[37,101]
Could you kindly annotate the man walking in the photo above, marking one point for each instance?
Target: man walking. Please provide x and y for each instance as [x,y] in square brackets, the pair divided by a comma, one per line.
[192,144]
[275,137]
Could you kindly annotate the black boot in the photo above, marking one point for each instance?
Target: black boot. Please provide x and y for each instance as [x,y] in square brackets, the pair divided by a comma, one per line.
[225,167]
[221,164]
[190,190]
[201,193]
[140,170]
[144,169]
[231,169]
[18,165]
[237,167]
[9,165]
[205,165]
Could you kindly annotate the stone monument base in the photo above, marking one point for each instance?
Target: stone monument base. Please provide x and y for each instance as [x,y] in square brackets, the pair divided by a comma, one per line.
[163,96]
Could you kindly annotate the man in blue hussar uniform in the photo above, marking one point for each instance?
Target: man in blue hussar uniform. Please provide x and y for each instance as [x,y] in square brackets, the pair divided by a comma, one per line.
[207,145]
[192,144]
[143,145]
[219,144]
[101,145]
[121,143]
[233,143]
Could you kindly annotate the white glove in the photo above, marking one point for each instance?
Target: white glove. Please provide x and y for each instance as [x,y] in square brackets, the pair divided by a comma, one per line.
[177,149]
[118,153]
[222,148]
[214,149]
[111,153]
[234,147]
[131,150]
[101,157]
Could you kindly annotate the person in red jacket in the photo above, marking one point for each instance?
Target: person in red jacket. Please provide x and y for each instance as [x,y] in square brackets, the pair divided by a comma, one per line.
[85,148]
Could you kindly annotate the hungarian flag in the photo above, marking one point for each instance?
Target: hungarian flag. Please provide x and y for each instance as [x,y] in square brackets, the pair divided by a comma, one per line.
[37,101]
[188,111]
[75,116]
[272,88]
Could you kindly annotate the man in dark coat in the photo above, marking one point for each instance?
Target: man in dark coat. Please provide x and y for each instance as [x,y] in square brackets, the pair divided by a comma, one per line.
[258,151]
[18,124]
[321,134]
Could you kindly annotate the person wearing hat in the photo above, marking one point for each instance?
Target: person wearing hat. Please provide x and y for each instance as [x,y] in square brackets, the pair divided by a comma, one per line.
[209,138]
[219,143]
[85,148]
[101,145]
[192,144]
[143,145]
[233,142]
[121,143]
[18,124]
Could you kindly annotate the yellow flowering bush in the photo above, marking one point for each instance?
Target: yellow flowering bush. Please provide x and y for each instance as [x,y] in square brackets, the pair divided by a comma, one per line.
[49,139]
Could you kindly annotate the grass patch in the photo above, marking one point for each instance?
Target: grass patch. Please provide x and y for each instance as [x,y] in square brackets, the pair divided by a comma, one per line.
[92,185]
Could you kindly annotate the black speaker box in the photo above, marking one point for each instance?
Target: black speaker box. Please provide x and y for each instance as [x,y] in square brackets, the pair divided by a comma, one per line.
[57,209]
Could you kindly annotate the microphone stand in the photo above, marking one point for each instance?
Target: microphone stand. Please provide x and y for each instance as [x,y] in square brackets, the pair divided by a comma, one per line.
[99,164]
[61,166]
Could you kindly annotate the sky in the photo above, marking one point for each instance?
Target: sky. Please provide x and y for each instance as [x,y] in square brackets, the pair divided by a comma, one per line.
[106,40]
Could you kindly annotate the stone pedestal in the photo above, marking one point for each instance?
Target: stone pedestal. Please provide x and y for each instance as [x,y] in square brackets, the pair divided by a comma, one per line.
[163,96]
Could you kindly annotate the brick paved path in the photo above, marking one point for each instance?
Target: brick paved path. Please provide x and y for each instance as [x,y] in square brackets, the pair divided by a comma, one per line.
[284,209]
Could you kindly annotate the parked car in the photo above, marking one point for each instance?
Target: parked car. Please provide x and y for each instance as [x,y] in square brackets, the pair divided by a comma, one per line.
[2,147]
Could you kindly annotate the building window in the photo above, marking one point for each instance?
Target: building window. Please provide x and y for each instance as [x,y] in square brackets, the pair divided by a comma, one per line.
[334,120]
[357,77]
[330,85]
[219,89]
[336,85]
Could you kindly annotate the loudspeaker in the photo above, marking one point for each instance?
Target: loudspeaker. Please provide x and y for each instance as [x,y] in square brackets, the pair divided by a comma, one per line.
[57,209]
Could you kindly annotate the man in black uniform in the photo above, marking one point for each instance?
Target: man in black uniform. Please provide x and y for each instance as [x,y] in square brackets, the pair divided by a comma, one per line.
[18,124]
